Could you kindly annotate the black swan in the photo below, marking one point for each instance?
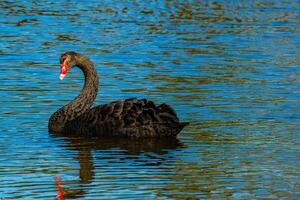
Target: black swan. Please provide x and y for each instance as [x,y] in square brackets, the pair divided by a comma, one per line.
[138,118]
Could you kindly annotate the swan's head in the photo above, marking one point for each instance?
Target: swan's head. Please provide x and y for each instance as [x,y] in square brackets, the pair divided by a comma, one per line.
[67,61]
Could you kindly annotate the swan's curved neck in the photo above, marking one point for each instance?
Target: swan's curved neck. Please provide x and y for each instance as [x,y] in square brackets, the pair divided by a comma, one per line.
[85,99]
[82,102]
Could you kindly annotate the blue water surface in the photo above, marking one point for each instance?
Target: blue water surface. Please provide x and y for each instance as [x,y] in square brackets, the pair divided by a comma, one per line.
[230,68]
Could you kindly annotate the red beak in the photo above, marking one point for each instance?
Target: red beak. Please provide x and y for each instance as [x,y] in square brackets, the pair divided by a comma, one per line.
[63,70]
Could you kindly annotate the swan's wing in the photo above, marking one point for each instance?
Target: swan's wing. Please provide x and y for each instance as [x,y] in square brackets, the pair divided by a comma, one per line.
[137,112]
[129,113]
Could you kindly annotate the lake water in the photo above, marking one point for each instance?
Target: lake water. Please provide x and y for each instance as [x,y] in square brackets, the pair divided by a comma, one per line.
[231,68]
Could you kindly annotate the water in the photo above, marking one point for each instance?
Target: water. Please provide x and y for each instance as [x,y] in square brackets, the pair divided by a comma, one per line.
[230,68]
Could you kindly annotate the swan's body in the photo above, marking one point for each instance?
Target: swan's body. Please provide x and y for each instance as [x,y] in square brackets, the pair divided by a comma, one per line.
[126,118]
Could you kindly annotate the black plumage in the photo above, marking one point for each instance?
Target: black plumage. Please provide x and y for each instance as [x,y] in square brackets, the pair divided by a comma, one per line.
[126,118]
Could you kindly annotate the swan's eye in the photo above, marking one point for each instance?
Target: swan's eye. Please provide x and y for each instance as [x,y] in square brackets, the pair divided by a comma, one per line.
[62,59]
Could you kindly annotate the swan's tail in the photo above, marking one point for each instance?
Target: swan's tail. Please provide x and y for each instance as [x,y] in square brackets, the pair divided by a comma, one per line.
[182,125]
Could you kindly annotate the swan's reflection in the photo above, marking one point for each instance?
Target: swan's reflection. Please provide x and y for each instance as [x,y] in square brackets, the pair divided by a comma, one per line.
[128,149]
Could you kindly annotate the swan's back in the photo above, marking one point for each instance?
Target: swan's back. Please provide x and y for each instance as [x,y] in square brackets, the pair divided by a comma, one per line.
[127,118]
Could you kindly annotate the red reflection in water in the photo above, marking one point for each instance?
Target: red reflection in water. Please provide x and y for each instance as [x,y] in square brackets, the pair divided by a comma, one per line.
[60,191]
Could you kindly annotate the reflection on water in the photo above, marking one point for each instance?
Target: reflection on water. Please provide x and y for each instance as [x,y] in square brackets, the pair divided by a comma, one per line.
[230,68]
[142,153]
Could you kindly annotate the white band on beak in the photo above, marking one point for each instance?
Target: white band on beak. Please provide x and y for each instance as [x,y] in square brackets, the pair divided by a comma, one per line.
[62,76]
